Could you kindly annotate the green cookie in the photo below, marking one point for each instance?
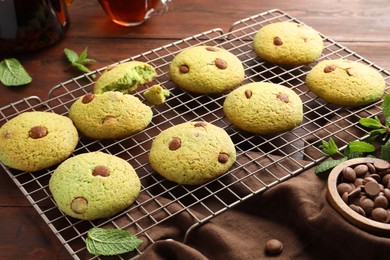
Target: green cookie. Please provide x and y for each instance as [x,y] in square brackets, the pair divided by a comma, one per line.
[206,70]
[263,108]
[346,83]
[110,115]
[125,77]
[33,141]
[288,43]
[94,185]
[192,153]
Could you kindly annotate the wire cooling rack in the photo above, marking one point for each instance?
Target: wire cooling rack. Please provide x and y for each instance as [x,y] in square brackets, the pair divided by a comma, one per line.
[262,162]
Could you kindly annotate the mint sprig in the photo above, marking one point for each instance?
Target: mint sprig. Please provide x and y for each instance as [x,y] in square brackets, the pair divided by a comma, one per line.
[109,242]
[355,149]
[78,61]
[12,73]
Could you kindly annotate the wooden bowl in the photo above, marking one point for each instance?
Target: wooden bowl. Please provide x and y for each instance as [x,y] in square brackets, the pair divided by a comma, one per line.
[360,221]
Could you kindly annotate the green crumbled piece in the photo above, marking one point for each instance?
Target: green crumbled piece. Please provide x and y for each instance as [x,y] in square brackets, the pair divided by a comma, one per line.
[12,73]
[109,242]
[156,94]
[125,77]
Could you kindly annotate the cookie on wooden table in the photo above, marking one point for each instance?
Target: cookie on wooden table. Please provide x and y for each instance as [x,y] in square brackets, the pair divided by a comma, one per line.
[263,108]
[288,43]
[34,141]
[206,70]
[94,185]
[346,83]
[110,115]
[125,77]
[192,153]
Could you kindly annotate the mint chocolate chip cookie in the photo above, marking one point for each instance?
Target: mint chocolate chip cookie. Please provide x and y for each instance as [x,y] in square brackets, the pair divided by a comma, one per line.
[346,83]
[263,108]
[192,153]
[206,70]
[125,77]
[33,141]
[288,43]
[94,185]
[110,115]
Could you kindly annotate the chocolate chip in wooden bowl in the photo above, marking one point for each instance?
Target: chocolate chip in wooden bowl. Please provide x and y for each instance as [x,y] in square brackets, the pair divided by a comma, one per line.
[368,209]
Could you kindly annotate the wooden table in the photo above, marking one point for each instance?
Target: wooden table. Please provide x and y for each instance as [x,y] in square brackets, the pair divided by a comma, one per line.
[360,25]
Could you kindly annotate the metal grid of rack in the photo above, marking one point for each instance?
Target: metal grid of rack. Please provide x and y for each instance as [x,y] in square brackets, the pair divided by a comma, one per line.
[262,161]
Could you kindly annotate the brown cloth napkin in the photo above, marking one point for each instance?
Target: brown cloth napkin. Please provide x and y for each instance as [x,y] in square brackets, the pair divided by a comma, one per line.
[296,212]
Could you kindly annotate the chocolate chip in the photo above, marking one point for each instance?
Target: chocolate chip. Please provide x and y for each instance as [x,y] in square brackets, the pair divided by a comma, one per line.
[184,69]
[107,118]
[175,144]
[200,124]
[209,48]
[37,132]
[79,205]
[381,202]
[372,188]
[381,165]
[361,170]
[101,170]
[283,97]
[248,94]
[88,98]
[379,214]
[329,68]
[220,63]
[273,247]
[223,157]
[349,175]
[278,41]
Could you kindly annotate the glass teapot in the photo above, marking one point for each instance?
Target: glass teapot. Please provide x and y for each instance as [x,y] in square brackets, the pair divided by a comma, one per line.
[27,25]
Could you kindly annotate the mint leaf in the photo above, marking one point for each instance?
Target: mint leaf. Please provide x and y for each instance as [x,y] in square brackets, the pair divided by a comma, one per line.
[110,242]
[360,147]
[371,122]
[12,73]
[71,55]
[385,151]
[78,61]
[330,147]
[322,170]
[386,105]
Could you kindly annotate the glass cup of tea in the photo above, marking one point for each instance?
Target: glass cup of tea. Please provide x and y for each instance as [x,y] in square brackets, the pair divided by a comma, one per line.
[133,12]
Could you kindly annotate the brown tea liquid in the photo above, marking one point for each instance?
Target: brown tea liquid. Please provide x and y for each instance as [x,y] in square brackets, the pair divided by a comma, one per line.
[128,12]
[27,25]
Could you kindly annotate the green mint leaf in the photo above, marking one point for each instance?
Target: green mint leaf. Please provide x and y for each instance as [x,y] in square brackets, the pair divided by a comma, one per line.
[386,105]
[371,122]
[71,55]
[110,242]
[12,73]
[323,169]
[361,147]
[78,61]
[385,151]
[81,67]
[83,55]
[330,147]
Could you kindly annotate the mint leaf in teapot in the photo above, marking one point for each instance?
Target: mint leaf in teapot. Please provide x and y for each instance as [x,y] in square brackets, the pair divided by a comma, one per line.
[109,242]
[12,73]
